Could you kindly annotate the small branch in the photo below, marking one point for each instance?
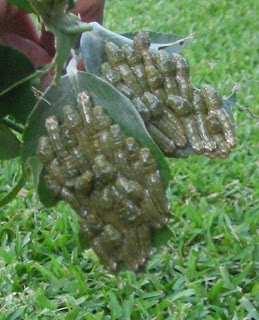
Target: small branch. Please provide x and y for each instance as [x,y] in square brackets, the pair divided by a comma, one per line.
[180,41]
[38,73]
[12,125]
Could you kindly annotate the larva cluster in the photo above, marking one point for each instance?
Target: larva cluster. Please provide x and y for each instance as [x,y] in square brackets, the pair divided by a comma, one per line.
[176,115]
[112,183]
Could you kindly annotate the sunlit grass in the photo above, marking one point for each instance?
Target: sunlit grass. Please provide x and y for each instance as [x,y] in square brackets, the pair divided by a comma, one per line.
[209,270]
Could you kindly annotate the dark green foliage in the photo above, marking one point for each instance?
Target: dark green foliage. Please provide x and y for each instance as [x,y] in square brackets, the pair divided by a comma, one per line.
[14,67]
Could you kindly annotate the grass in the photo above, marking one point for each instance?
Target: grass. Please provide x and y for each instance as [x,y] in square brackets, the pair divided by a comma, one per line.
[209,270]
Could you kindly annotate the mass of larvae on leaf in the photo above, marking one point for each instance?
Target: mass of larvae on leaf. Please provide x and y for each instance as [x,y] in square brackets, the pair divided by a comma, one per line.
[108,179]
[178,116]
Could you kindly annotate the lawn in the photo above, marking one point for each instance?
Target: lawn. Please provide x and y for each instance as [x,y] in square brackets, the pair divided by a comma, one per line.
[209,269]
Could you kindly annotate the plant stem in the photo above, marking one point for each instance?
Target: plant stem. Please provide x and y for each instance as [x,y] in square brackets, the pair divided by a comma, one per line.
[15,126]
[36,74]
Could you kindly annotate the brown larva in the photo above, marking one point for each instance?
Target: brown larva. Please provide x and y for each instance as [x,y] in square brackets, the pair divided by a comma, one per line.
[113,76]
[166,145]
[182,76]
[112,183]
[214,103]
[142,43]
[153,104]
[168,69]
[134,60]
[118,61]
[162,76]
[216,131]
[200,115]
[184,110]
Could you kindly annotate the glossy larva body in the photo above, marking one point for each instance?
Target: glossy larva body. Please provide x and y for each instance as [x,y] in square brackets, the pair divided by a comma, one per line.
[110,74]
[200,116]
[130,213]
[113,76]
[44,151]
[53,185]
[111,186]
[163,76]
[152,179]
[184,110]
[53,129]
[165,144]
[102,124]
[85,109]
[67,164]
[172,127]
[134,60]
[168,70]
[106,245]
[216,131]
[152,214]
[155,82]
[131,190]
[142,109]
[92,225]
[118,146]
[153,104]
[84,183]
[143,238]
[142,43]
[214,103]
[103,170]
[55,169]
[118,61]
[68,195]
[132,149]
[182,76]
[154,78]
[131,252]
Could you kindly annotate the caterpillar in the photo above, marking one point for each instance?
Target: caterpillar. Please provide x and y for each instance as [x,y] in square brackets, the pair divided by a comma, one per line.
[158,84]
[108,179]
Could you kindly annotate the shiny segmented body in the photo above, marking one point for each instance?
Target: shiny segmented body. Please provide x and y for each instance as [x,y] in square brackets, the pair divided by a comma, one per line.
[214,102]
[157,75]
[114,185]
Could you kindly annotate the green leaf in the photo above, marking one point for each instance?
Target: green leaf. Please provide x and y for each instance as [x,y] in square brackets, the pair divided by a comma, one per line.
[92,44]
[17,314]
[250,308]
[8,258]
[44,302]
[182,294]
[64,25]
[126,312]
[9,144]
[13,193]
[14,67]
[114,306]
[120,109]
[162,237]
[23,4]
[172,43]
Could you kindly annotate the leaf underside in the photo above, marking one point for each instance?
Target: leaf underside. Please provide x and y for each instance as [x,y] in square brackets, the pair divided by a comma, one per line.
[92,44]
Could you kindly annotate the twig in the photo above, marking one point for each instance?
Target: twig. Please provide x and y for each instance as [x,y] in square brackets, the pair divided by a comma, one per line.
[15,126]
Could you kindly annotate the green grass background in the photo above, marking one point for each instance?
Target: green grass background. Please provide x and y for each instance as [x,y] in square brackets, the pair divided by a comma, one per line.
[209,270]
